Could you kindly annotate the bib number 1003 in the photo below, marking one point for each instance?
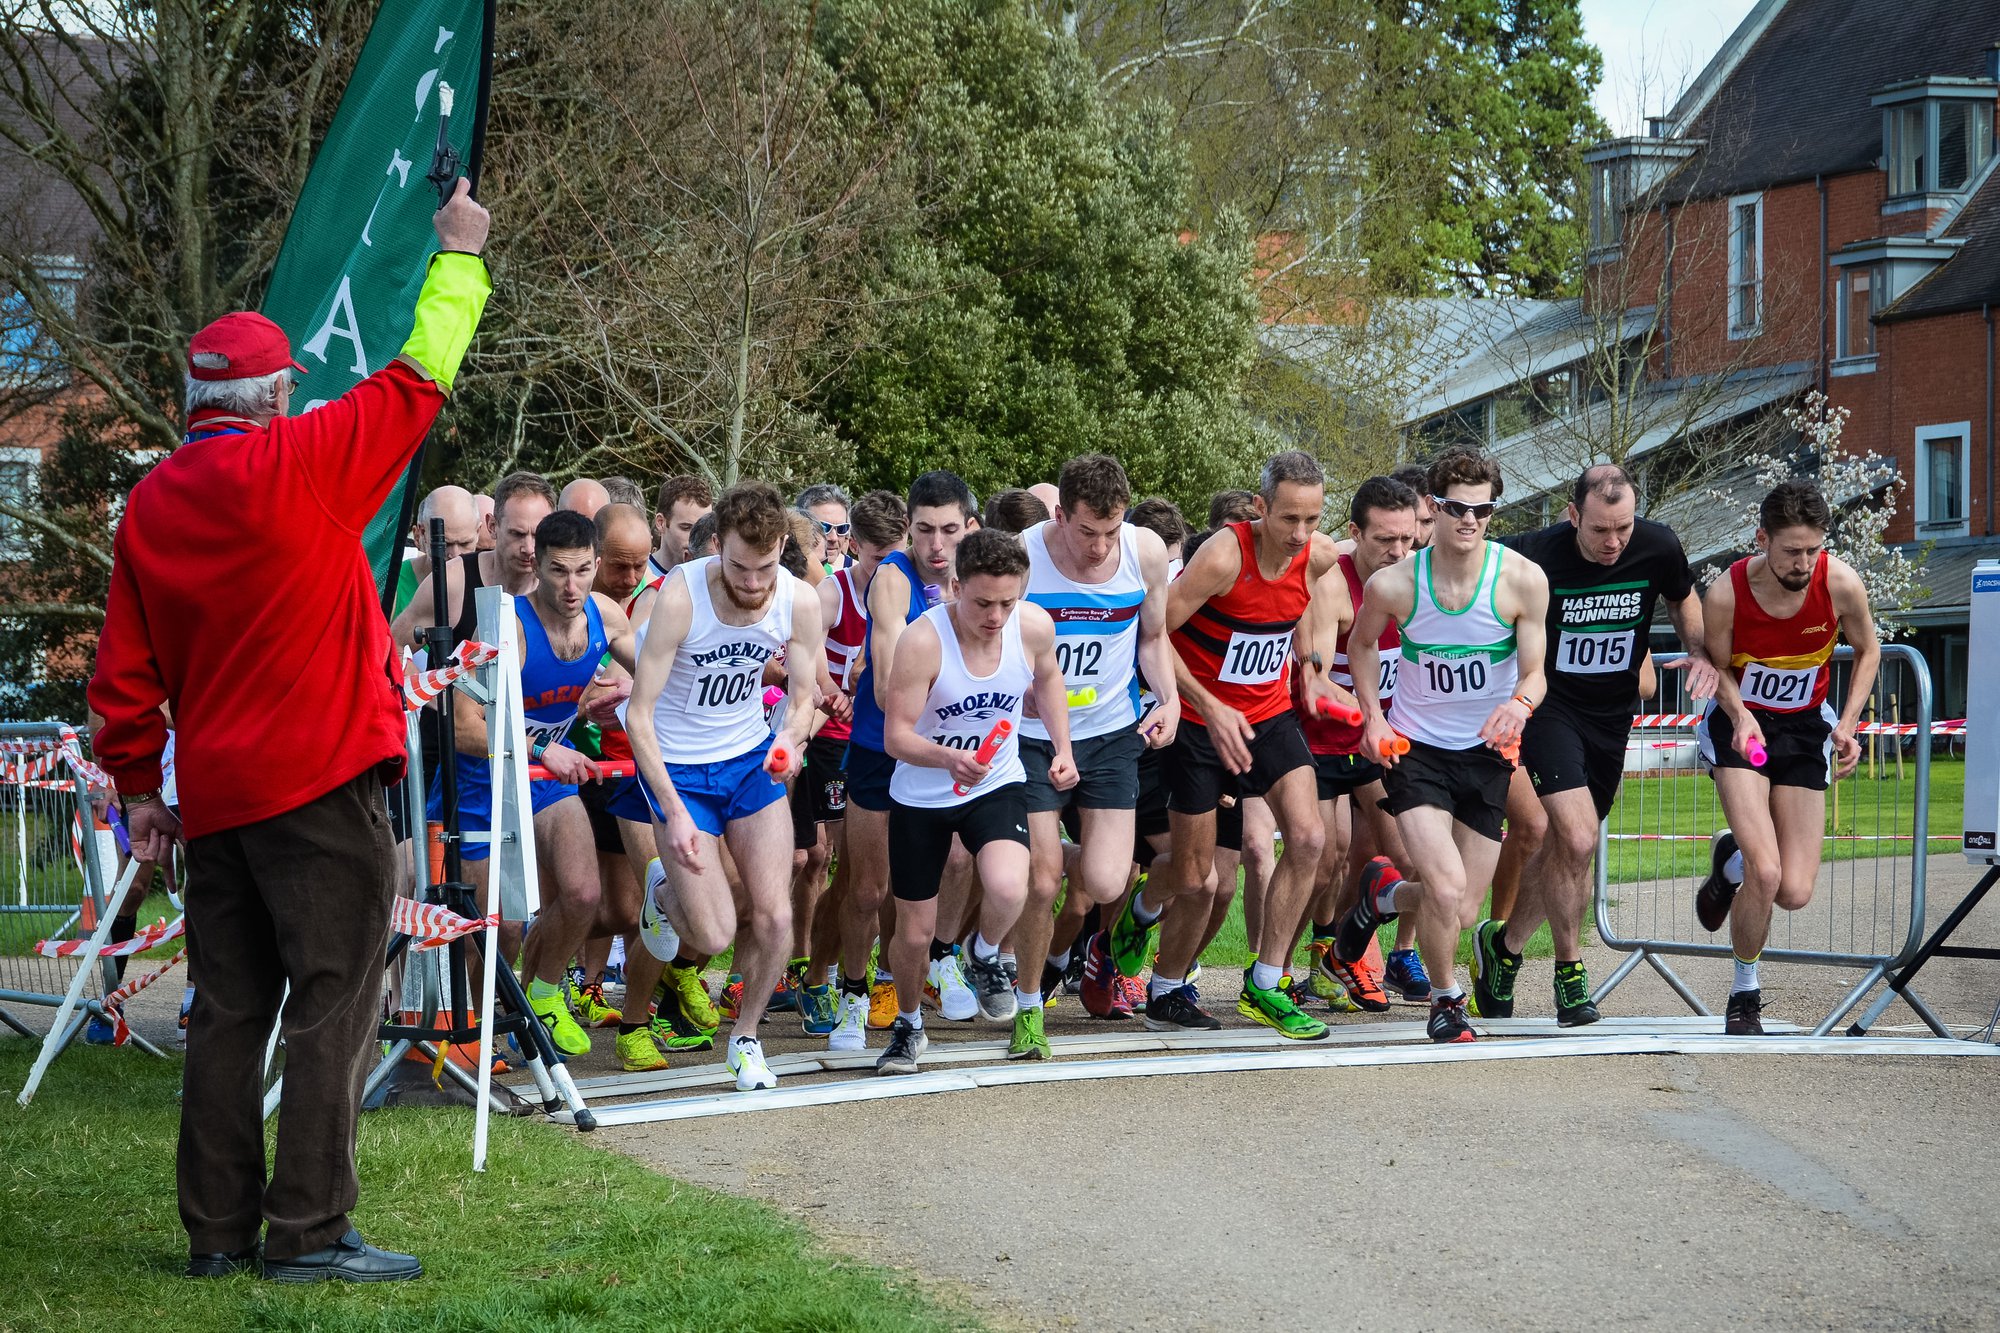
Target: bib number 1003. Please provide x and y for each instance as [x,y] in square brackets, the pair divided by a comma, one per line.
[1253,659]
[1466,677]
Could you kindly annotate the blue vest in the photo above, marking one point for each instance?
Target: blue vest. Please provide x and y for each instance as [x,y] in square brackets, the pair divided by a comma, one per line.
[867,729]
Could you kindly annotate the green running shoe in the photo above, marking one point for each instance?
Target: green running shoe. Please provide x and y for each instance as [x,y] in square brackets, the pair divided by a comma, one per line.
[1326,984]
[1030,1041]
[1129,941]
[667,1034]
[1275,1010]
[563,1030]
[637,1054]
[1573,1006]
[1493,971]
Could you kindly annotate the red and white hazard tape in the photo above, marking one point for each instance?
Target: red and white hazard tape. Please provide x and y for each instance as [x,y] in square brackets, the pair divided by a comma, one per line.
[65,747]
[431,926]
[160,932]
[421,688]
[1675,721]
[114,1003]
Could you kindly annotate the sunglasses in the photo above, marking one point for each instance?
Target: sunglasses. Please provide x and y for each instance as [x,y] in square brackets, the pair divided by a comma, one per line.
[833,529]
[1460,508]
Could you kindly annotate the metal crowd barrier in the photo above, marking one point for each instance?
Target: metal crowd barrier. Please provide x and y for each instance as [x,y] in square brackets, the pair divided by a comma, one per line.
[1867,911]
[54,865]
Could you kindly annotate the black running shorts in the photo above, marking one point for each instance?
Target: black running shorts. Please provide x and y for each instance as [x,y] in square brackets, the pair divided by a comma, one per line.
[1471,784]
[1107,772]
[920,837]
[1197,779]
[1344,774]
[1564,748]
[1799,746]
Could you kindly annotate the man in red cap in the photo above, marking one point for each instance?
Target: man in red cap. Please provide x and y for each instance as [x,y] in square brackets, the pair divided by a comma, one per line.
[284,739]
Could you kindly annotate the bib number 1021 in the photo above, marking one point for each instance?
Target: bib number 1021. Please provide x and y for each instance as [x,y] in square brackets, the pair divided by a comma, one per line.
[1777,687]
[1465,677]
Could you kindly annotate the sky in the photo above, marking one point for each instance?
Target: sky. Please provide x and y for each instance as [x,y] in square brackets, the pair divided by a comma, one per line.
[1652,50]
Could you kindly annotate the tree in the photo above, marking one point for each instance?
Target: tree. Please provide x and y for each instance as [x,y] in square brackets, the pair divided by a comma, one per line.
[1049,299]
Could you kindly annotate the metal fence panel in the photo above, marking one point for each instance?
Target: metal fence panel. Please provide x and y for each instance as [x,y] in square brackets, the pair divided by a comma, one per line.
[1868,910]
[53,863]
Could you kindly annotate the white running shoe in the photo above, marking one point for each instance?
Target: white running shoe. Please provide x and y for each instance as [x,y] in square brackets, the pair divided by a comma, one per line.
[746,1061]
[851,1032]
[655,931]
[955,999]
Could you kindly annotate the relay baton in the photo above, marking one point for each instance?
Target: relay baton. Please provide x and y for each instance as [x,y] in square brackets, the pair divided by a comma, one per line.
[1397,744]
[1338,711]
[1755,752]
[1084,697]
[988,748]
[775,761]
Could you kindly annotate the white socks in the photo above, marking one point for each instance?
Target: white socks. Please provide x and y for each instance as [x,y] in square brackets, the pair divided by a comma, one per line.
[1264,976]
[1732,869]
[1746,975]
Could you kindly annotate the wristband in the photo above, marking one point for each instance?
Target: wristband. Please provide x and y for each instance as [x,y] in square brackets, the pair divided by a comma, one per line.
[1524,701]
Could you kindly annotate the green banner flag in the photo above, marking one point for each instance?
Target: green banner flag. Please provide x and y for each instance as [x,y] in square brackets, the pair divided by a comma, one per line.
[346,281]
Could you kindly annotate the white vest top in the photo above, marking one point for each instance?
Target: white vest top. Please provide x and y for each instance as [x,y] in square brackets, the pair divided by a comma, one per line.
[959,712]
[1458,666]
[1097,634]
[712,707]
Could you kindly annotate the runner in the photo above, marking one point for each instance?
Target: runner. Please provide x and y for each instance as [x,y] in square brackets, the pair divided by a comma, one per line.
[1607,569]
[828,505]
[1239,612]
[684,502]
[1382,526]
[960,670]
[1775,620]
[1468,680]
[521,500]
[703,750]
[584,495]
[941,511]
[1103,582]
[565,630]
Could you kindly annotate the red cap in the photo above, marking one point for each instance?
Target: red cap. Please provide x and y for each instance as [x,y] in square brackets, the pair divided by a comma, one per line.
[240,347]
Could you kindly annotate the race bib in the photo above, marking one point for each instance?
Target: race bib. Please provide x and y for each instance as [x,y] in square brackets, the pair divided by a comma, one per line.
[546,733]
[1254,659]
[1776,687]
[1453,675]
[1594,654]
[1081,658]
[713,691]
[1386,689]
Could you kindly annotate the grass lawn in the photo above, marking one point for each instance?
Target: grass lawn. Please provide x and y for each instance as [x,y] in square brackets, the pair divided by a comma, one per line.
[555,1236]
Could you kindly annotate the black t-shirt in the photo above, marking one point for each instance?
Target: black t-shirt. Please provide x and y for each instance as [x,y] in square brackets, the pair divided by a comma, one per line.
[1599,614]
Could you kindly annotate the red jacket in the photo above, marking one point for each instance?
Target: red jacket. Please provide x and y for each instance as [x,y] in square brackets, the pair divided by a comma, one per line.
[240,595]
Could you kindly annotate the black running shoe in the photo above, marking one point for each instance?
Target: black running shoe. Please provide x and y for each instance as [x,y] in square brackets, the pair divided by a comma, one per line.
[1573,1006]
[1746,1014]
[1073,974]
[1448,1021]
[1493,971]
[1358,926]
[1052,982]
[1712,899]
[906,1046]
[1176,1011]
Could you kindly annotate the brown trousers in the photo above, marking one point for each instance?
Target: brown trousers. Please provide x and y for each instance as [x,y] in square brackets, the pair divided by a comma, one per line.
[304,898]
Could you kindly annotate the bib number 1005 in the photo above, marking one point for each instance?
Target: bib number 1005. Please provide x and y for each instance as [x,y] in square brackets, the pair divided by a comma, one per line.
[722,691]
[1466,677]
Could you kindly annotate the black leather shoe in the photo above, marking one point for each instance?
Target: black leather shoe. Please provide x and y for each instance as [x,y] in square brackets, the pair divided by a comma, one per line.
[223,1265]
[349,1259]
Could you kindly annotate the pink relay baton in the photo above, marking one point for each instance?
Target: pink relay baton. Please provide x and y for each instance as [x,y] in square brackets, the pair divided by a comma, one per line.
[988,748]
[1338,712]
[1756,753]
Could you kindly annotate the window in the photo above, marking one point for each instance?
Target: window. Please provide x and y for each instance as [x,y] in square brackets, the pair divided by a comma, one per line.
[27,354]
[1936,145]
[1531,402]
[1464,425]
[17,487]
[1746,265]
[1854,311]
[1942,481]
[1609,193]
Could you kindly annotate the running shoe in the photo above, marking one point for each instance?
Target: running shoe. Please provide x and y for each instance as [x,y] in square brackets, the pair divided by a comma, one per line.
[563,1030]
[1712,899]
[589,1006]
[1100,992]
[1293,987]
[669,1033]
[784,999]
[1178,1010]
[1357,979]
[1131,997]
[1405,972]
[1493,971]
[684,988]
[1448,1021]
[1052,984]
[1326,979]
[656,933]
[746,1061]
[946,989]
[1073,974]
[881,1003]
[732,997]
[851,1032]
[1358,926]
[1130,942]
[906,1046]
[819,1009]
[1030,1042]
[1275,1010]
[993,992]
[1745,1017]
[1573,1006]
[637,1053]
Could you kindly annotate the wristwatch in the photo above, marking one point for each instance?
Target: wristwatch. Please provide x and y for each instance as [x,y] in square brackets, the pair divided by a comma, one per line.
[126,800]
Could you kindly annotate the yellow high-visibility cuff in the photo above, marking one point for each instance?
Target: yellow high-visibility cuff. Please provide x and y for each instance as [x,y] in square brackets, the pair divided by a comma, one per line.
[448,310]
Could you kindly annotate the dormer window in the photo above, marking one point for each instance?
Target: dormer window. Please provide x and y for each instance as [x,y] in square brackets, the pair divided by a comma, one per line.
[1937,134]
